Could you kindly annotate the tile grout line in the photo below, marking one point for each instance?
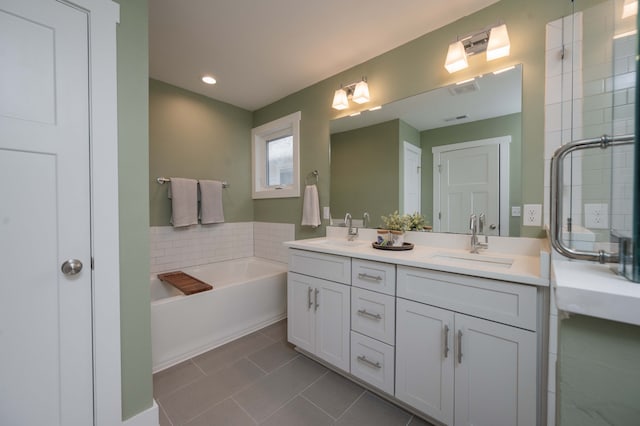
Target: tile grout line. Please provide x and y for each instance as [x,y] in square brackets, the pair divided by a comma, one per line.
[165,414]
[243,409]
[266,373]
[364,391]
[317,406]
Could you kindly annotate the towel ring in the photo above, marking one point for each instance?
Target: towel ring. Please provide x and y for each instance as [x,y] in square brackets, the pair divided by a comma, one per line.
[312,174]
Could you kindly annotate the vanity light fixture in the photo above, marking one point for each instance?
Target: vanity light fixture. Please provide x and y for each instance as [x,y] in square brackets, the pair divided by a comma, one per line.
[208,79]
[630,8]
[358,91]
[495,41]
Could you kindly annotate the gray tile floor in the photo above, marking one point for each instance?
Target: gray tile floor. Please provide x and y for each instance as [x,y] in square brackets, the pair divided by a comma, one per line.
[260,380]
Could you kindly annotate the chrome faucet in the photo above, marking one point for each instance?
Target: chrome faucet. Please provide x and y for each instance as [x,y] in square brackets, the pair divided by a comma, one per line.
[477,227]
[366,220]
[352,232]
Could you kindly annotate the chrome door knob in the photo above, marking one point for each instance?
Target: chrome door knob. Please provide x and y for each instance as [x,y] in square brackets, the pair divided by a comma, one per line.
[71,267]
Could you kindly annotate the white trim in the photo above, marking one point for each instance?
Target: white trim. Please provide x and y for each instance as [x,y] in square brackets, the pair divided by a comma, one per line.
[503,142]
[103,15]
[259,136]
[149,417]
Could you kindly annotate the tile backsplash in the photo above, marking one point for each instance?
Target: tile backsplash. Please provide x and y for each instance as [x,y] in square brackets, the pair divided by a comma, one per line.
[175,248]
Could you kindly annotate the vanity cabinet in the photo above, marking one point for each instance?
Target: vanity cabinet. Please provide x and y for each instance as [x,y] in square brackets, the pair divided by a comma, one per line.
[458,368]
[373,323]
[318,308]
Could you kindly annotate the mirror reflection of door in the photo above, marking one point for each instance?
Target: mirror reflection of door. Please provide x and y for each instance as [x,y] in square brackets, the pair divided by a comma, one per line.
[467,181]
[412,156]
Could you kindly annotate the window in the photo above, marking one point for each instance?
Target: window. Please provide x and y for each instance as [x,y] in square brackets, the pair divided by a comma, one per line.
[276,158]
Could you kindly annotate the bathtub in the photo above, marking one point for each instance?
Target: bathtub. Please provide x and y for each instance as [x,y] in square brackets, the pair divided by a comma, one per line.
[247,294]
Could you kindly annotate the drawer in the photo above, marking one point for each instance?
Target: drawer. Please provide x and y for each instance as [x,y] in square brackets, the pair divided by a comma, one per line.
[321,265]
[508,303]
[373,362]
[376,276]
[373,314]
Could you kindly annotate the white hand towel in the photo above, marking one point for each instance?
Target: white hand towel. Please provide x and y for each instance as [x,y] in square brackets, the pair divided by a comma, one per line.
[211,202]
[311,207]
[184,202]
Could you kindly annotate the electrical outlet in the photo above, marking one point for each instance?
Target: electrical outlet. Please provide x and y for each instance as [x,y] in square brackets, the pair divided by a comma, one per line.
[515,211]
[532,215]
[596,216]
[326,214]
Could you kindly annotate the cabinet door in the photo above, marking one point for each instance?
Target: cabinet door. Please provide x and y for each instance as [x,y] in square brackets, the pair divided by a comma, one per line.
[300,311]
[495,374]
[332,305]
[424,359]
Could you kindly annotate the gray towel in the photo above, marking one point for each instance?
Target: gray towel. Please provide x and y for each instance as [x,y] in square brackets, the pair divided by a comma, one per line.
[211,202]
[184,202]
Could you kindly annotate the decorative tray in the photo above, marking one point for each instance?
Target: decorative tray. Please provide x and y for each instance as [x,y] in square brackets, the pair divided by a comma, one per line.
[404,246]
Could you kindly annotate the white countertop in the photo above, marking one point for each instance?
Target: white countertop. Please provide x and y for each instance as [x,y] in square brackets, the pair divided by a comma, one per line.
[434,251]
[593,289]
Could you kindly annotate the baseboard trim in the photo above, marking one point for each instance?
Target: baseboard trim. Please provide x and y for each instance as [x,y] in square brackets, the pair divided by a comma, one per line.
[149,417]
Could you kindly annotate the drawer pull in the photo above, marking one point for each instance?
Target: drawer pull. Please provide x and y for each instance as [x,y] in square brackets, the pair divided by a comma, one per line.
[369,277]
[459,346]
[370,363]
[316,298]
[446,341]
[364,313]
[309,302]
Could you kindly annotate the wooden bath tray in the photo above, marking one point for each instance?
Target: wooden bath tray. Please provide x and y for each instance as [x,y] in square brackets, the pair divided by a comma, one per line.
[184,282]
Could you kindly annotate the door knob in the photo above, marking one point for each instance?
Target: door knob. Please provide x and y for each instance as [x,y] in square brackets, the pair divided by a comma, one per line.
[492,226]
[71,267]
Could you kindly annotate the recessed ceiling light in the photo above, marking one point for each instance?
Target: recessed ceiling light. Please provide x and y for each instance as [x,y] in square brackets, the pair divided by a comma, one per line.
[208,79]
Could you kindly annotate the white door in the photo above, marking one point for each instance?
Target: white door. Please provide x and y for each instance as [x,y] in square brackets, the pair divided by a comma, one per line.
[469,183]
[332,304]
[412,178]
[424,359]
[45,315]
[301,323]
[495,376]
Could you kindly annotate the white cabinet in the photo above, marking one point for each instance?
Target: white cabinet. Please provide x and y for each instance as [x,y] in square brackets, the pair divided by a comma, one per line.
[424,359]
[459,369]
[319,313]
[372,361]
[495,374]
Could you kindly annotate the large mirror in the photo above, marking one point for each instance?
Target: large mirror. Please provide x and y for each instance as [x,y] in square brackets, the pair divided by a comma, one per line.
[444,153]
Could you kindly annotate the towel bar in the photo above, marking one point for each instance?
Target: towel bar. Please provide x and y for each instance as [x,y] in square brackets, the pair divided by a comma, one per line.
[162,180]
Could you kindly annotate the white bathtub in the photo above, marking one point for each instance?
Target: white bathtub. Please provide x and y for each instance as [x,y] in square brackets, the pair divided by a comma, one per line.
[247,295]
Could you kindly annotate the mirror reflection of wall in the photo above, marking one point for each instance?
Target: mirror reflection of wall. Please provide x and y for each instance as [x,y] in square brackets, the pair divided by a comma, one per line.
[368,151]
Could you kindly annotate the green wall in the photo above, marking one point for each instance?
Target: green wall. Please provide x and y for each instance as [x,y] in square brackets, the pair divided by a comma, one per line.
[364,171]
[417,67]
[133,173]
[506,125]
[193,136]
[599,373]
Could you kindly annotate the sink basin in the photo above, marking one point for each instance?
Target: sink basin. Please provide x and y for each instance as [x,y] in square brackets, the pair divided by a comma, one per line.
[338,243]
[474,260]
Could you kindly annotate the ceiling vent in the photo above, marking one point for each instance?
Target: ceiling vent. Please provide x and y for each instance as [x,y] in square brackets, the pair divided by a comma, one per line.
[458,117]
[461,89]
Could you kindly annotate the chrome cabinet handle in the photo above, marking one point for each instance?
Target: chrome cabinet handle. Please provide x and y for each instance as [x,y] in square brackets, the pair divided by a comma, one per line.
[459,346]
[364,313]
[316,299]
[309,302]
[364,359]
[446,341]
[71,267]
[369,277]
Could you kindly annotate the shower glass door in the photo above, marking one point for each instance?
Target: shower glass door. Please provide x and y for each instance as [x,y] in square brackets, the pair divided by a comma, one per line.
[600,45]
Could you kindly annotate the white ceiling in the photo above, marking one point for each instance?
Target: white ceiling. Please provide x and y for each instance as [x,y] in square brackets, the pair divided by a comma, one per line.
[263,50]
